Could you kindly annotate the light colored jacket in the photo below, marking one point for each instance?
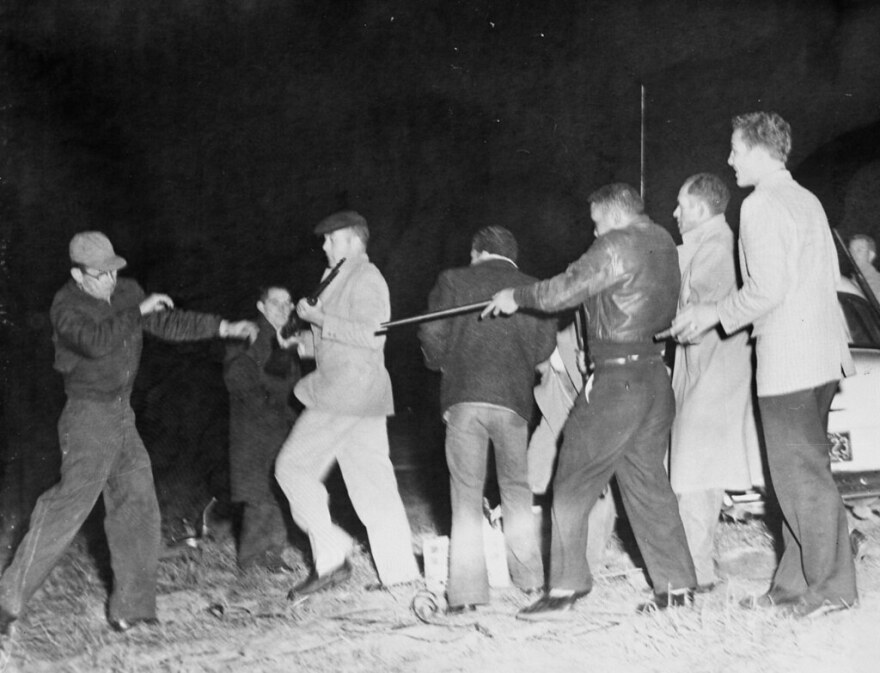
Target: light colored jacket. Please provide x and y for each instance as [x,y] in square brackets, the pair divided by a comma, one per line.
[790,275]
[714,436]
[350,378]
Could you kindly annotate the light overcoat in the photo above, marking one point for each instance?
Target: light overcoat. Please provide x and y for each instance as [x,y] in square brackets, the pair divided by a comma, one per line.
[714,435]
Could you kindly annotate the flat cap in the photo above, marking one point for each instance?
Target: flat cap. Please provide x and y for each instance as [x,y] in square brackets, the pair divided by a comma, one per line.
[94,250]
[341,220]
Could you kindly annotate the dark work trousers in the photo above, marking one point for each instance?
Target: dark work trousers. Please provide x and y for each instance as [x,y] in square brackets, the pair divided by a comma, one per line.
[101,452]
[817,562]
[263,533]
[623,430]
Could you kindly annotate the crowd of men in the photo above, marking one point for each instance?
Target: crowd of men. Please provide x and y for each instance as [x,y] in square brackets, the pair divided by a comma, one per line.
[673,444]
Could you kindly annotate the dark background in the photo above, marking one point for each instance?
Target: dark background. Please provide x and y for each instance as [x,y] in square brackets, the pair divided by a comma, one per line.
[207,137]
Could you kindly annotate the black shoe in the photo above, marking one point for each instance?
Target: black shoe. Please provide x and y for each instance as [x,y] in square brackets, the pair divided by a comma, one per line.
[123,625]
[463,609]
[679,598]
[707,588]
[6,621]
[548,607]
[314,583]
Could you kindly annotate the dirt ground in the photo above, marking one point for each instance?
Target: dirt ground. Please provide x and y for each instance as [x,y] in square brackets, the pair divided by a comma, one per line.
[215,619]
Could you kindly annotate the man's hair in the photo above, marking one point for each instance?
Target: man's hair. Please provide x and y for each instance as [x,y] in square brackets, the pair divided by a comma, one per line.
[618,195]
[767,129]
[869,241]
[711,190]
[496,241]
[266,289]
[362,231]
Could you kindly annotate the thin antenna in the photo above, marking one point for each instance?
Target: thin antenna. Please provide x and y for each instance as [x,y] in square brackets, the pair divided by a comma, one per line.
[642,150]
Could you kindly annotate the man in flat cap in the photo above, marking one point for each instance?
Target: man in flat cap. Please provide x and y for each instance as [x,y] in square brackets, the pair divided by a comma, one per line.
[98,322]
[347,399]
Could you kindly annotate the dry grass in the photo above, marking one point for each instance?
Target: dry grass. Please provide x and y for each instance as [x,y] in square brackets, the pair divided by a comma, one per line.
[214,619]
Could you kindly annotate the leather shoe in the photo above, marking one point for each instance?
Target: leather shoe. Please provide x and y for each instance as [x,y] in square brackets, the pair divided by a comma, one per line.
[680,598]
[6,621]
[706,588]
[549,606]
[123,625]
[314,583]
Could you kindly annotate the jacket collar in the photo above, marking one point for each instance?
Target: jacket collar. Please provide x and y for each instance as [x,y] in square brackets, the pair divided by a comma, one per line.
[706,230]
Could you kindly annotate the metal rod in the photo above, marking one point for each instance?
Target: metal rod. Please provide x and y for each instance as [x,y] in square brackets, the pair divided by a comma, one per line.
[642,149]
[434,315]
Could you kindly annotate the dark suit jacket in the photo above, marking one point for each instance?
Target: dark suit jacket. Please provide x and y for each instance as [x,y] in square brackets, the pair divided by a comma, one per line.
[491,360]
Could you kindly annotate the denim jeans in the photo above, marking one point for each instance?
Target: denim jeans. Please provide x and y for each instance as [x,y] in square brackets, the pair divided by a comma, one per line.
[263,533]
[816,561]
[469,430]
[101,452]
[622,430]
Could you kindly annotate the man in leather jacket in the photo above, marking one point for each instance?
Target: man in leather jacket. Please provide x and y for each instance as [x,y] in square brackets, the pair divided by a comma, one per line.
[628,282]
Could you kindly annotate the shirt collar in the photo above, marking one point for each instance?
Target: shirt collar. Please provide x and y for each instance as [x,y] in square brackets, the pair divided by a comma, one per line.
[491,256]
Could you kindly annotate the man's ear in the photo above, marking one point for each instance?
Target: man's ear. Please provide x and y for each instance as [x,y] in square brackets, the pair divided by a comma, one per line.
[705,211]
[261,307]
[77,274]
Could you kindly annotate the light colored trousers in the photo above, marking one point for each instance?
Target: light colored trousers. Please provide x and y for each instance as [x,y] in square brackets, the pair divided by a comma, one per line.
[700,511]
[360,445]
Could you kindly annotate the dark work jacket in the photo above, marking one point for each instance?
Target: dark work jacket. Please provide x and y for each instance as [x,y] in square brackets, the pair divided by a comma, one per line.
[98,343]
[628,282]
[492,360]
[260,412]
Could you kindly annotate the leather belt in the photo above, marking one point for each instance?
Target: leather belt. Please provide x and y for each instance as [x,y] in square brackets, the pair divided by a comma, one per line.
[626,359]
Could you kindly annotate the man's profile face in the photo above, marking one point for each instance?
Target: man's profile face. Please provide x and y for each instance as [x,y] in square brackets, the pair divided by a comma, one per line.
[338,245]
[689,212]
[277,307]
[98,284]
[744,160]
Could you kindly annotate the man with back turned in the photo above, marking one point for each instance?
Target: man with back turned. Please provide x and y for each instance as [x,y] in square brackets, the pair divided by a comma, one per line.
[488,369]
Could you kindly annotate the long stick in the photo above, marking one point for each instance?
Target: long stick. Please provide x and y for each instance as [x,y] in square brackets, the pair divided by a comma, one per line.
[434,315]
[642,149]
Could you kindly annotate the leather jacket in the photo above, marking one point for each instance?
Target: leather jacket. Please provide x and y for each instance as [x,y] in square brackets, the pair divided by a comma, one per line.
[628,282]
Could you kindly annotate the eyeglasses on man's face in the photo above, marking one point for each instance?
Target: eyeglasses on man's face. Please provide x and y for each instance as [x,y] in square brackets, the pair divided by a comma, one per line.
[98,275]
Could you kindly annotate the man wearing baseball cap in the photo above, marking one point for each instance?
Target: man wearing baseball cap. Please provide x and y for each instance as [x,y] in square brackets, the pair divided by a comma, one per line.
[347,399]
[98,322]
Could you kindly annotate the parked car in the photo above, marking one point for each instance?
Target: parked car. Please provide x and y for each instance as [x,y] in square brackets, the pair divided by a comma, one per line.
[854,418]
